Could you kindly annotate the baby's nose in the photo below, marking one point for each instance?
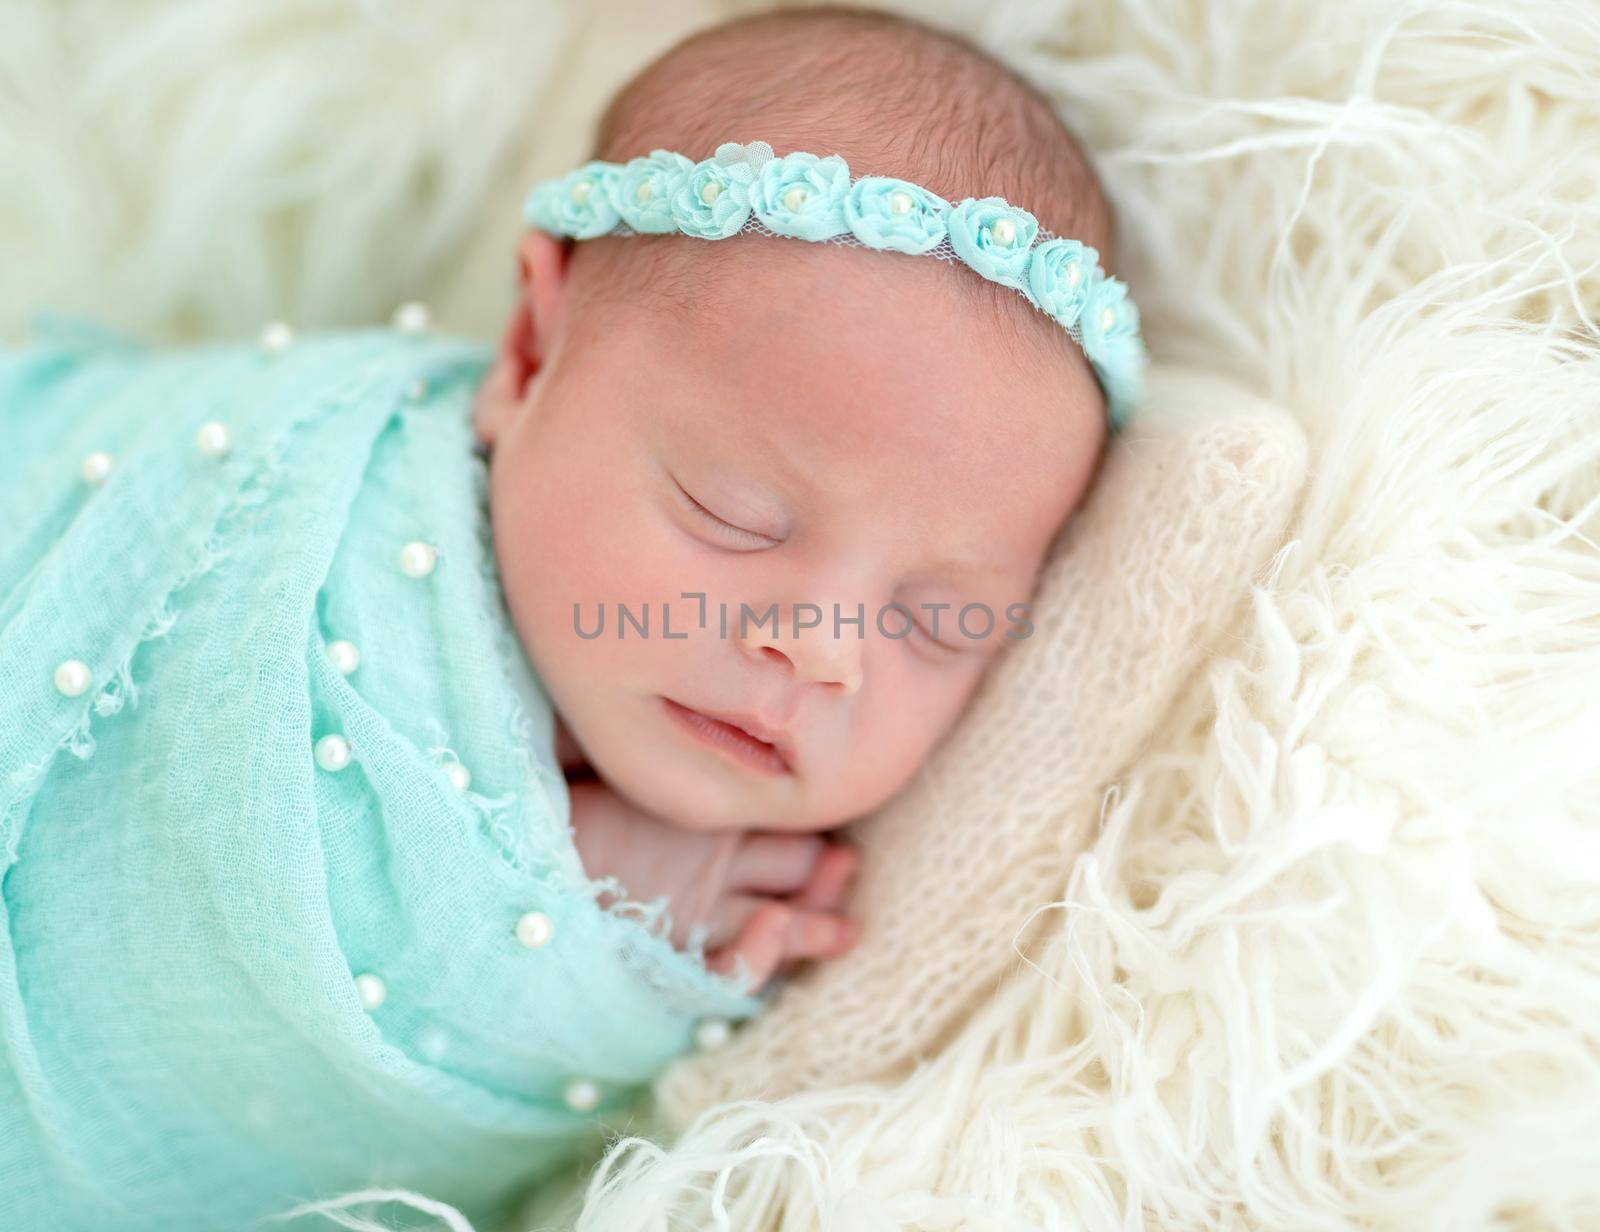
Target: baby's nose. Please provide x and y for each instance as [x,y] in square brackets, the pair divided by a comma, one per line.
[807,645]
[825,660]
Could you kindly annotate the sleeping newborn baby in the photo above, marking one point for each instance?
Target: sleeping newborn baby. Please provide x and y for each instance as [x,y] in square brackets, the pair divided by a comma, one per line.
[828,479]
[410,747]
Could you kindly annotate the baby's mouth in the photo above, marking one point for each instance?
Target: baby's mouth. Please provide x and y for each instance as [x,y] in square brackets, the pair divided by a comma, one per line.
[731,739]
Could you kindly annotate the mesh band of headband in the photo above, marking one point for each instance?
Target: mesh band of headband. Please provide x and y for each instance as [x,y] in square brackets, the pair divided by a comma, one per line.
[746,188]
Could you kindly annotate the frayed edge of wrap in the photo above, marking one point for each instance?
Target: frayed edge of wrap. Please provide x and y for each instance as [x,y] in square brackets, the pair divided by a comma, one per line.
[499,812]
[333,1209]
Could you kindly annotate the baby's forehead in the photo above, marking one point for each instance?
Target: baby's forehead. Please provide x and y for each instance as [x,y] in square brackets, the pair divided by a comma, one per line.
[765,311]
[873,310]
[877,369]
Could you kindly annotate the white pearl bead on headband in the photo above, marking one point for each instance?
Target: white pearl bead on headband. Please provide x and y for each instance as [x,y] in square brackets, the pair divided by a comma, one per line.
[747,188]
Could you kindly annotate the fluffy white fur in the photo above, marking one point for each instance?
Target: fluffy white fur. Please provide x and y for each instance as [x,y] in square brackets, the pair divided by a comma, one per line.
[1331,957]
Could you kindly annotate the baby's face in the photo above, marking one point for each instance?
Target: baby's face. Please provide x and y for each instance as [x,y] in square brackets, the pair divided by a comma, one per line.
[835,427]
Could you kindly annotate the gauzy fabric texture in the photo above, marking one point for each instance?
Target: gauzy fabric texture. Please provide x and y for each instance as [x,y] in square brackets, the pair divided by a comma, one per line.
[189,895]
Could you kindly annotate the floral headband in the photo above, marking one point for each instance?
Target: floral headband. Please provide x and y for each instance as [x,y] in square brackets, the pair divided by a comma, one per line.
[802,196]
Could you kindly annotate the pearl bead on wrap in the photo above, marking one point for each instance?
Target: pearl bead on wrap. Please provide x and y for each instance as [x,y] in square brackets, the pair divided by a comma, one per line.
[1003,233]
[276,337]
[580,191]
[582,1095]
[344,657]
[333,753]
[644,192]
[1074,275]
[460,776]
[417,559]
[411,318]
[534,929]
[371,990]
[72,678]
[213,440]
[900,203]
[712,1033]
[1108,318]
[97,466]
[710,192]
[795,197]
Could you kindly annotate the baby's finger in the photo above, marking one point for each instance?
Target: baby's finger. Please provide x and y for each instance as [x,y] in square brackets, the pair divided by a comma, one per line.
[817,934]
[833,873]
[730,917]
[761,943]
[774,863]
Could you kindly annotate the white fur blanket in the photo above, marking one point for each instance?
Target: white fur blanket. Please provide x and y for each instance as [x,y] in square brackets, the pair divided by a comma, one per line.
[1325,952]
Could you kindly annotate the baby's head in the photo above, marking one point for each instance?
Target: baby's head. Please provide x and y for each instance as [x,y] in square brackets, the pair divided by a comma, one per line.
[807,427]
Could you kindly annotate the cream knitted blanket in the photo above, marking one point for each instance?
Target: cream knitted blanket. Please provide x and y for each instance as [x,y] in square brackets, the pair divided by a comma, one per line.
[1283,909]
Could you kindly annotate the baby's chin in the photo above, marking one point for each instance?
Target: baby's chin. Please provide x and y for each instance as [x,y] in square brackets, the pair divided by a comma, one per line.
[711,798]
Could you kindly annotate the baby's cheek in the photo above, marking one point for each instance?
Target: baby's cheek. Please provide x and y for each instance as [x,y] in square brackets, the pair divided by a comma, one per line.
[570,564]
[908,707]
[589,541]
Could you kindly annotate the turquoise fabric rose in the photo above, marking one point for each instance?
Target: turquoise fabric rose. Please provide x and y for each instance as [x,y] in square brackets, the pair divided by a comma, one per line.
[993,237]
[1122,376]
[712,201]
[539,209]
[1059,278]
[803,196]
[577,205]
[641,191]
[883,212]
[1109,316]
[1109,327]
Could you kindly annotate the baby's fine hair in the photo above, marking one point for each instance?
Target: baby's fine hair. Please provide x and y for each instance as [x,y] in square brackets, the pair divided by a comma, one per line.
[890,95]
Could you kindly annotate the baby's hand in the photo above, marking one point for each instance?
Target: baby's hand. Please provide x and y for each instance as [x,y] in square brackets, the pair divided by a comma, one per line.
[768,897]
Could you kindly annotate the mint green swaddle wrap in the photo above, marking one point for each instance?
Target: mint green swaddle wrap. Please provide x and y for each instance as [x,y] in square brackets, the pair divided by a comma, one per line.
[190,893]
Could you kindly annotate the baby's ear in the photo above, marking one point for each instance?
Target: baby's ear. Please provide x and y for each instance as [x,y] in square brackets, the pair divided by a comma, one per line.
[535,317]
[496,403]
[542,265]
